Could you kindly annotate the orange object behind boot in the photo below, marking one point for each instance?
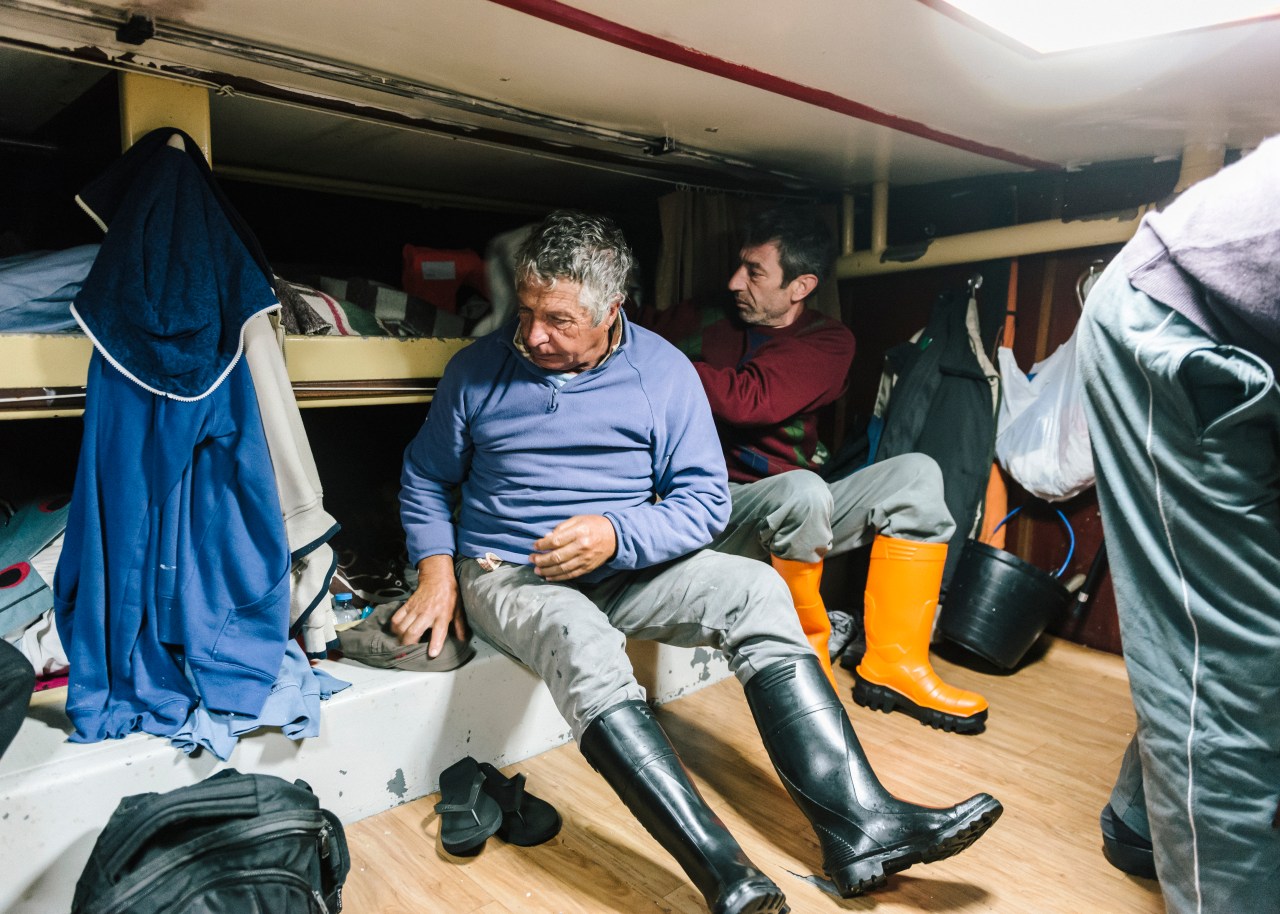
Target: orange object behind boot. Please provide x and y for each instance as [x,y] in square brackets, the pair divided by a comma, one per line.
[802,580]
[895,674]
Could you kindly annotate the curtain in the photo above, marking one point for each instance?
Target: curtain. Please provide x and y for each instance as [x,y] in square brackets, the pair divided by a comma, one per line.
[700,244]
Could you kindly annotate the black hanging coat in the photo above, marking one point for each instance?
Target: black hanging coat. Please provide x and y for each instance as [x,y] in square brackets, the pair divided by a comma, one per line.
[943,403]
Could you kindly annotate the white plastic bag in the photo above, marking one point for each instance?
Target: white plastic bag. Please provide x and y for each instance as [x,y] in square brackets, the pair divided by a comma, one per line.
[1042,438]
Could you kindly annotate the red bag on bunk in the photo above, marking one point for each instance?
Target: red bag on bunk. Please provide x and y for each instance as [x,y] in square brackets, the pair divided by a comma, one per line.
[436,276]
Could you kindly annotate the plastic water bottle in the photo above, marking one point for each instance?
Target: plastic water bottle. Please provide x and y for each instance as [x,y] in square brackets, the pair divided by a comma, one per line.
[344,610]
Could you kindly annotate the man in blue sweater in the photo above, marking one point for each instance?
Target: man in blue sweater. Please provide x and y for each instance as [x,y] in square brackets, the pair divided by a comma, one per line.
[1178,351]
[589,479]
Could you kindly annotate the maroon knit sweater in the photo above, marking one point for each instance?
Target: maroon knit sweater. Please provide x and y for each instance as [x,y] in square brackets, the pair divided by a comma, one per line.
[765,386]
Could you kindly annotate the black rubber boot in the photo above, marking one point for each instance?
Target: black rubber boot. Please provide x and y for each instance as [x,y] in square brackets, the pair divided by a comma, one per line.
[1124,848]
[629,749]
[866,833]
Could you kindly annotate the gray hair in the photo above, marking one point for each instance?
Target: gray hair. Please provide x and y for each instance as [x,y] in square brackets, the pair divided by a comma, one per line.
[577,247]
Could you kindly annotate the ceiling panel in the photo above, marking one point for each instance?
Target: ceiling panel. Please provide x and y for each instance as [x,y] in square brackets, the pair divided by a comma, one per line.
[829,96]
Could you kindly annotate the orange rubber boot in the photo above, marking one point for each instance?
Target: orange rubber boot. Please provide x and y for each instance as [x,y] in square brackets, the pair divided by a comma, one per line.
[895,674]
[802,580]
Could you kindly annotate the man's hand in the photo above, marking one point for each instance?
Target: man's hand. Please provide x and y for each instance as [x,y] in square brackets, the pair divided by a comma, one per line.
[581,544]
[433,605]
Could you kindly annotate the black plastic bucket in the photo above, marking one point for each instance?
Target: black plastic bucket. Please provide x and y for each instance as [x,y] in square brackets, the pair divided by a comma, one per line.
[997,605]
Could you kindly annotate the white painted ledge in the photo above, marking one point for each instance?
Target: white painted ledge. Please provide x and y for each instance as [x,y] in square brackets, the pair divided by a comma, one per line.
[382,742]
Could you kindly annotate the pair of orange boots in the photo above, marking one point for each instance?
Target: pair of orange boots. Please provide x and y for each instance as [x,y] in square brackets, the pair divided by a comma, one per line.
[901,600]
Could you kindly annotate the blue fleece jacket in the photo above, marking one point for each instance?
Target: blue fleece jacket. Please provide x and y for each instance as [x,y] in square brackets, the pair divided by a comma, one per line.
[173,582]
[631,439]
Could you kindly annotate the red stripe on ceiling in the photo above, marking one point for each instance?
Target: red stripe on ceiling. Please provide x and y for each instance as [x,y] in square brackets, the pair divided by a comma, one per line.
[627,37]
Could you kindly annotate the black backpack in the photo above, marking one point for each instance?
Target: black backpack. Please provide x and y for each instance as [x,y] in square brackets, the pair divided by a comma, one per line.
[233,842]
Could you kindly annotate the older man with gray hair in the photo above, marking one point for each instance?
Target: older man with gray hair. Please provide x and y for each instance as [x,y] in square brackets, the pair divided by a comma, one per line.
[590,478]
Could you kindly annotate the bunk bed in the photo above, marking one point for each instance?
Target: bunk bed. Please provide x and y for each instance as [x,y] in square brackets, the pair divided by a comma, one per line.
[43,375]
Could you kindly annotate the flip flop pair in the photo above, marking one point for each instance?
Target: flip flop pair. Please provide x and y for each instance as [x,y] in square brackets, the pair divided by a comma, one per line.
[477,801]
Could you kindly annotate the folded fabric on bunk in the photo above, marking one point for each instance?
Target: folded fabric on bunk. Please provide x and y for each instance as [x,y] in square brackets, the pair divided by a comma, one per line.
[376,309]
[40,644]
[37,288]
[500,277]
[304,311]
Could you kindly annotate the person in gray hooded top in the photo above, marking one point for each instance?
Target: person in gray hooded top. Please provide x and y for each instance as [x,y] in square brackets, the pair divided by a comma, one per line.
[1178,351]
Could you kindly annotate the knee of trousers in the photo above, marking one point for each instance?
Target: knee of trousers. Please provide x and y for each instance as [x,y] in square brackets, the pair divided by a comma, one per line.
[804,493]
[760,624]
[798,524]
[571,647]
[585,675]
[921,513]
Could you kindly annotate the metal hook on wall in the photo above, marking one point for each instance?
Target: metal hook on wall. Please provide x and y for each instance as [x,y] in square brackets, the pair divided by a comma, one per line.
[1086,279]
[974,283]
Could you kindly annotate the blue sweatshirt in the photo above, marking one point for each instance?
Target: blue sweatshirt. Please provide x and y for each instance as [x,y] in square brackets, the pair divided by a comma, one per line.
[528,453]
[173,582]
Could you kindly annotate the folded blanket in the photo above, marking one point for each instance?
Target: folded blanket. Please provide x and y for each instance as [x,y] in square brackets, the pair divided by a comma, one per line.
[37,289]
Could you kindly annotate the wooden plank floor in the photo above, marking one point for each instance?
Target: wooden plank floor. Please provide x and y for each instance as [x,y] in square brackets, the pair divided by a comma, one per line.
[1053,743]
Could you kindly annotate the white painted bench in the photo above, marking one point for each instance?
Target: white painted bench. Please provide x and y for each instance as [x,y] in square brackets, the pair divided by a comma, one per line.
[382,742]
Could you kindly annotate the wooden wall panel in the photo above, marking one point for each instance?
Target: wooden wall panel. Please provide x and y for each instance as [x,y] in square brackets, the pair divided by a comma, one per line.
[885,310]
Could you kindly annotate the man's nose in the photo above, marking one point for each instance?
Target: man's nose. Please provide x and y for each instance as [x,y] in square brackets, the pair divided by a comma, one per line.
[536,334]
[738,281]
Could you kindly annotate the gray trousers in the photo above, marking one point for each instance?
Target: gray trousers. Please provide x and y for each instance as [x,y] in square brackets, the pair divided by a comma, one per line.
[1186,438]
[802,517]
[574,635]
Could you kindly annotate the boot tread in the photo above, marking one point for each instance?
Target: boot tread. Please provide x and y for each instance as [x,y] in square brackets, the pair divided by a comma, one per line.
[873,870]
[755,896]
[882,698]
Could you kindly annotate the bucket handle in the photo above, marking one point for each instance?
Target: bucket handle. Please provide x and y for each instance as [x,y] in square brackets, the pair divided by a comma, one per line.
[1071,536]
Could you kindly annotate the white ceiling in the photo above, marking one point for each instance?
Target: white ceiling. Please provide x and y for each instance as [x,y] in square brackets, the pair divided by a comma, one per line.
[830,95]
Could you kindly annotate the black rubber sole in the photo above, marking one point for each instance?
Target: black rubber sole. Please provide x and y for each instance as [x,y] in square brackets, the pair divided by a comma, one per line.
[872,871]
[468,816]
[757,897]
[1124,849]
[880,698]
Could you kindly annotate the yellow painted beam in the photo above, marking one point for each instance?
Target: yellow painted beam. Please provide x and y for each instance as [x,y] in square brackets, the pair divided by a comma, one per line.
[995,244]
[148,102]
[879,216]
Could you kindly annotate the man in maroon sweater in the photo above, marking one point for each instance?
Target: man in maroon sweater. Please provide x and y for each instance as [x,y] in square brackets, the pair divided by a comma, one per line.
[767,371]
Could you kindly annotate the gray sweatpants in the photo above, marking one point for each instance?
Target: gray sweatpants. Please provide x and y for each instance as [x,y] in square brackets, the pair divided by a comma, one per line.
[1186,439]
[801,517]
[574,635]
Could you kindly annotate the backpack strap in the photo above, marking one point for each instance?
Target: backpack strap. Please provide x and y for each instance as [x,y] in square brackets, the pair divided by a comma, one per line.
[221,798]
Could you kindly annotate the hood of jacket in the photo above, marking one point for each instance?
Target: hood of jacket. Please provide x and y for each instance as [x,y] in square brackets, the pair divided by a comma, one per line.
[174,282]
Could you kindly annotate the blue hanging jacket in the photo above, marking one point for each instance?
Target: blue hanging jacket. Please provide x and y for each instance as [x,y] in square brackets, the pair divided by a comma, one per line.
[173,584]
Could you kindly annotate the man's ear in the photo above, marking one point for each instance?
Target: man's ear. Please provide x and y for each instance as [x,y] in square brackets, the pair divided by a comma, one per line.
[802,286]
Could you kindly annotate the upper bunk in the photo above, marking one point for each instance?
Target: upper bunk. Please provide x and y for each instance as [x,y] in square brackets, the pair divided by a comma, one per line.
[43,375]
[516,107]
